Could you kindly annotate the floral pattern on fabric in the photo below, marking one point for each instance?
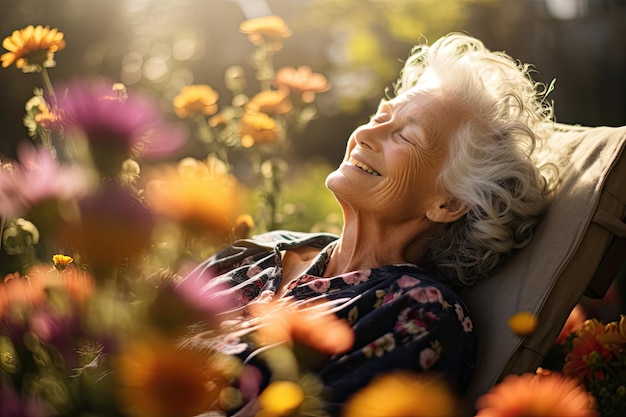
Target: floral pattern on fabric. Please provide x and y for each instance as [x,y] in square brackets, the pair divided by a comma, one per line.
[402,316]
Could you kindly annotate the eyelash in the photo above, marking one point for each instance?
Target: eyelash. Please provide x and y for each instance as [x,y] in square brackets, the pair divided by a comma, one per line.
[382,118]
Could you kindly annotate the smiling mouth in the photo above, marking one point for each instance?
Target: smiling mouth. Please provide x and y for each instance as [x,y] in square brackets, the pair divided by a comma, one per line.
[364,167]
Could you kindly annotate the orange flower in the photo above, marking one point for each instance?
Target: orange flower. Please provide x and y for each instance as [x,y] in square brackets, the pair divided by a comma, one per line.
[313,326]
[269,102]
[29,291]
[195,99]
[258,128]
[402,393]
[195,194]
[32,48]
[533,395]
[78,284]
[158,379]
[586,350]
[266,30]
[21,292]
[302,81]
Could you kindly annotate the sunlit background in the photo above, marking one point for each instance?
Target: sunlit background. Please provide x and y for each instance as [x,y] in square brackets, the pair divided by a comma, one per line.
[162,45]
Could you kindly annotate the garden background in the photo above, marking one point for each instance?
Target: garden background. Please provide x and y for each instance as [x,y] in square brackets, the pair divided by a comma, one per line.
[158,47]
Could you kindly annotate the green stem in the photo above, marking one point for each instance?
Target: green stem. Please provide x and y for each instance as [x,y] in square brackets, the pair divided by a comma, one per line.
[48,84]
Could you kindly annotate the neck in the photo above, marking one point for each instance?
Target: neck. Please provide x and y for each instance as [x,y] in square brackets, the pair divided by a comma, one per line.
[366,244]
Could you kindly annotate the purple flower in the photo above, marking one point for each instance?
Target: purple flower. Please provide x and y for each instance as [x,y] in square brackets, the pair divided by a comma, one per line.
[36,178]
[135,123]
[114,225]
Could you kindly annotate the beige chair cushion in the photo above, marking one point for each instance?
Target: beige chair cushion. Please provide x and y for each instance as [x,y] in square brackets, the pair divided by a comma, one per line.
[549,276]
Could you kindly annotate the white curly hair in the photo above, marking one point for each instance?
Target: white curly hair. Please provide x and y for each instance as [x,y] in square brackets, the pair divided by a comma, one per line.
[491,165]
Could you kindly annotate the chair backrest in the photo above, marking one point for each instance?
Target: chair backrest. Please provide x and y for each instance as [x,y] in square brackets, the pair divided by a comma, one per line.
[577,249]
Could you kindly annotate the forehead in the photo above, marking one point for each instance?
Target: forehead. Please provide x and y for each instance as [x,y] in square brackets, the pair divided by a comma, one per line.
[430,106]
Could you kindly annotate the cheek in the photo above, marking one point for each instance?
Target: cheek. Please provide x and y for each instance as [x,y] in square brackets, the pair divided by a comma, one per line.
[415,173]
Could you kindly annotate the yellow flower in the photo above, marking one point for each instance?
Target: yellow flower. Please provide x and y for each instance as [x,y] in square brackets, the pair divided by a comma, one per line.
[405,394]
[195,99]
[266,30]
[157,379]
[48,119]
[61,261]
[195,194]
[269,102]
[280,398]
[523,323]
[258,128]
[535,395]
[32,48]
[302,81]
[615,333]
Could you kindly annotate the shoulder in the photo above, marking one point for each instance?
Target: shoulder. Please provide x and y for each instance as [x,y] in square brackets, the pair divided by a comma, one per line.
[288,238]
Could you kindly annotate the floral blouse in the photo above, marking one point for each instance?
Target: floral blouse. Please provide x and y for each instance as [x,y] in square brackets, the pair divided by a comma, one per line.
[402,317]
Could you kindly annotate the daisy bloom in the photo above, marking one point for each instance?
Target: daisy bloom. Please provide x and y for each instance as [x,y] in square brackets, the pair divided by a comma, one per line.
[301,80]
[587,349]
[402,393]
[32,48]
[535,395]
[522,323]
[158,379]
[269,102]
[267,30]
[258,128]
[195,99]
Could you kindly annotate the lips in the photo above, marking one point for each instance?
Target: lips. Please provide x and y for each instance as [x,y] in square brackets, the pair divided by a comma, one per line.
[363,167]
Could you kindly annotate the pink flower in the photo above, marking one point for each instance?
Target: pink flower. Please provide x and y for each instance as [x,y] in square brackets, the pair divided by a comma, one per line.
[320,286]
[428,357]
[135,123]
[426,295]
[407,281]
[36,178]
[355,277]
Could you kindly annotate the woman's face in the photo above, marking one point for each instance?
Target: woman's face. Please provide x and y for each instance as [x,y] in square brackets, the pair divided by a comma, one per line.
[392,163]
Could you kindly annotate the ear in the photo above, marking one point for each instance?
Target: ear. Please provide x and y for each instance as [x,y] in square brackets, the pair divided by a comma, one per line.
[446,210]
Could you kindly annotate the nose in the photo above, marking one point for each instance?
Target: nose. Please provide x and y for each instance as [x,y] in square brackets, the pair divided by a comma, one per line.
[369,136]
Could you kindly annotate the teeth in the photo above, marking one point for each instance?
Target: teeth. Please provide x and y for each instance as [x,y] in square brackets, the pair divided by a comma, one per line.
[363,167]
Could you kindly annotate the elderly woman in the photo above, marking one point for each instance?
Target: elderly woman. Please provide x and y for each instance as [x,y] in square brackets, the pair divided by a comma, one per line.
[436,191]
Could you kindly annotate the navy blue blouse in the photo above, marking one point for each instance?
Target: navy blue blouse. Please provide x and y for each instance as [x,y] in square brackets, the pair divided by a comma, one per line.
[402,317]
